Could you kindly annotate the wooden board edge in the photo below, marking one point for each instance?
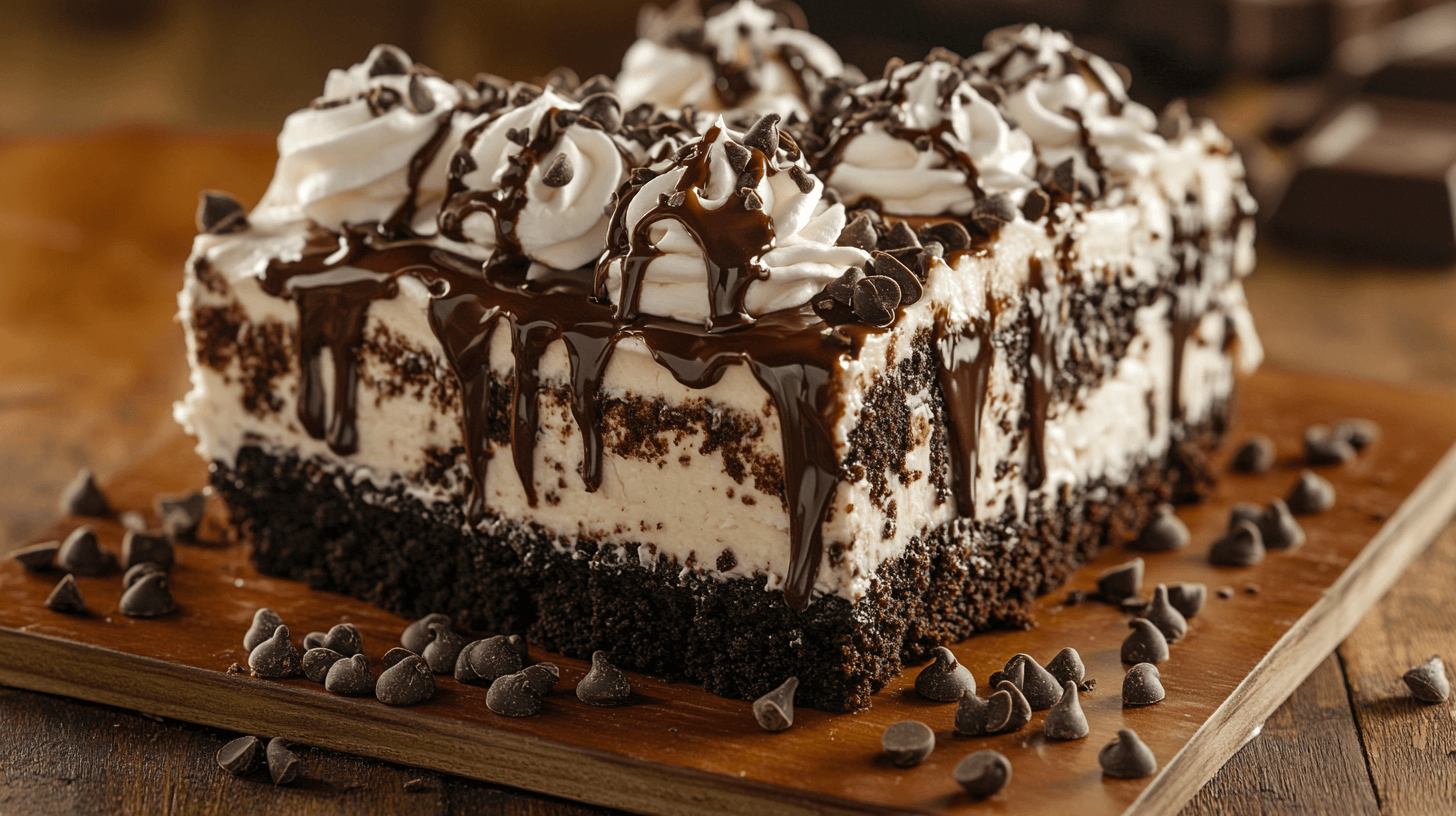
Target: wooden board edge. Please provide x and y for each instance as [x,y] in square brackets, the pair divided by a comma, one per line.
[1317,633]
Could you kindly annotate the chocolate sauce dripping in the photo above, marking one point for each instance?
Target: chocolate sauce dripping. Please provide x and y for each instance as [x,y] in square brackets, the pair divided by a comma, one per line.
[964,373]
[1042,375]
[398,223]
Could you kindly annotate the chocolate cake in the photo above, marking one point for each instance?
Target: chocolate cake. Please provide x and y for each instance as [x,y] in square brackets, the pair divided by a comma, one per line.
[738,367]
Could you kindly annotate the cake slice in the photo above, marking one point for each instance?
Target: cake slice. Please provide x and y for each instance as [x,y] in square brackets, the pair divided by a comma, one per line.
[736,395]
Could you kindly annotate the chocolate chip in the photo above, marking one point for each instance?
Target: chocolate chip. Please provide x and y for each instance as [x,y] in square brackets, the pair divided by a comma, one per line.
[418,96]
[81,554]
[1164,533]
[1311,494]
[1041,688]
[139,571]
[875,299]
[945,679]
[1245,511]
[149,597]
[1256,455]
[1122,581]
[601,83]
[566,118]
[604,109]
[802,179]
[1225,592]
[764,135]
[406,683]
[388,60]
[1013,672]
[970,716]
[1252,589]
[513,696]
[318,660]
[491,658]
[640,176]
[1127,757]
[1066,720]
[1145,644]
[265,623]
[524,93]
[275,657]
[886,265]
[1062,179]
[1323,447]
[394,656]
[604,685]
[751,201]
[417,635]
[519,136]
[38,557]
[1036,205]
[841,289]
[992,213]
[1166,617]
[951,235]
[1359,433]
[1007,710]
[542,677]
[559,173]
[241,756]
[381,100]
[282,763]
[922,142]
[350,677]
[66,597]
[181,514]
[1243,546]
[1142,685]
[314,640]
[1428,681]
[1279,528]
[859,233]
[907,743]
[900,236]
[345,639]
[983,773]
[83,497]
[139,547]
[775,710]
[219,214]
[443,649]
[1187,598]
[1067,666]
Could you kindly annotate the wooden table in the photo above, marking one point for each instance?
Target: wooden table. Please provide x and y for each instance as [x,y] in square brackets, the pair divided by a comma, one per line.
[92,234]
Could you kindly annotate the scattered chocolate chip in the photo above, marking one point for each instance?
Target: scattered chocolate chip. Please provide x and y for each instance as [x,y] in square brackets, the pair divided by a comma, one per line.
[1225,592]
[1245,511]
[992,213]
[314,640]
[318,660]
[443,649]
[601,83]
[945,679]
[1359,433]
[181,514]
[265,623]
[886,265]
[1142,685]
[1127,757]
[900,236]
[737,155]
[1066,720]
[1165,616]
[1323,447]
[1256,455]
[83,497]
[764,135]
[406,683]
[66,598]
[875,299]
[970,717]
[1062,179]
[394,656]
[1067,666]
[804,181]
[1243,546]
[1281,531]
[983,773]
[276,657]
[841,289]
[566,118]
[922,142]
[559,172]
[491,658]
[542,677]
[218,213]
[1311,494]
[859,233]
[1036,205]
[139,571]
[345,639]
[418,96]
[1041,688]
[1428,681]
[38,557]
[350,677]
[603,109]
[282,763]
[1122,581]
[775,710]
[140,547]
[1164,533]
[1007,710]
[388,60]
[417,635]
[241,756]
[1187,597]
[512,696]
[751,201]
[907,743]
[1145,644]
[605,684]
[81,554]
[1013,672]
[951,235]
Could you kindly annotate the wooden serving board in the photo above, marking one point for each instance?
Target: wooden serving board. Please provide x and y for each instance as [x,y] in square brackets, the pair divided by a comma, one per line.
[677,750]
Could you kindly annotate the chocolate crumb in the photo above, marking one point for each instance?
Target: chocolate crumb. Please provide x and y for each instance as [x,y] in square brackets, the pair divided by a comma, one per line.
[240,757]
[1164,533]
[1127,757]
[1311,494]
[1255,455]
[1142,686]
[511,695]
[317,661]
[775,710]
[265,623]
[945,679]
[417,635]
[1243,546]
[983,773]
[38,557]
[559,172]
[282,763]
[408,682]
[1427,682]
[181,514]
[66,598]
[1165,616]
[1122,581]
[605,684]
[1067,666]
[970,716]
[350,677]
[1087,686]
[275,657]
[907,743]
[139,546]
[1187,597]
[1145,644]
[1066,720]
[81,554]
[1323,447]
[218,213]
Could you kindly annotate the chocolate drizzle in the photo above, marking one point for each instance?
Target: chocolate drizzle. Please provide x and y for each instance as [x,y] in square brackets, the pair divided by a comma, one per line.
[964,369]
[1042,370]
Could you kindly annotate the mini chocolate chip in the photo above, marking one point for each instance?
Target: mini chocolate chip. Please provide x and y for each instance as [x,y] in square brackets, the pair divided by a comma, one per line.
[406,683]
[951,235]
[418,96]
[1066,720]
[388,59]
[282,763]
[38,557]
[138,571]
[1145,644]
[747,180]
[1187,598]
[1164,533]
[559,173]
[1256,455]
[1428,681]
[970,716]
[1127,757]
[1122,581]
[1166,617]
[1311,494]
[886,265]
[81,554]
[605,684]
[417,635]
[1323,447]
[542,677]
[900,236]
[859,233]
[1252,589]
[512,696]
[493,657]
[775,710]
[83,497]
[241,756]
[181,514]
[983,773]
[265,623]
[751,201]
[1007,710]
[1360,433]
[350,677]
[1242,546]
[394,656]
[218,213]
[875,299]
[443,649]
[604,109]
[562,79]
[1142,686]
[66,597]
[907,743]
[764,135]
[1067,666]
[318,660]
[1041,689]
[519,136]
[140,547]
[275,657]
[1281,531]
[150,597]
[738,156]
[1036,205]
[804,181]
[945,679]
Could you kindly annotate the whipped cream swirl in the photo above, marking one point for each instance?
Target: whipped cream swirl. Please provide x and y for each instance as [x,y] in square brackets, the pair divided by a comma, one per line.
[736,228]
[372,148]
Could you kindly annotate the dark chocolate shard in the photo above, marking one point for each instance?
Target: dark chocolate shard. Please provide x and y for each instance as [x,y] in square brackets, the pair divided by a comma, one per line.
[344,639]
[83,497]
[1313,493]
[764,135]
[1145,644]
[1041,688]
[81,554]
[241,756]
[443,649]
[1142,685]
[418,97]
[181,514]
[406,683]
[1187,597]
[983,773]
[859,233]
[1255,455]
[66,598]
[394,656]
[318,660]
[1036,205]
[139,571]
[1122,581]
[218,213]
[493,657]
[737,154]
[1165,616]
[1359,433]
[1127,757]
[559,172]
[803,180]
[951,235]
[907,743]
[1243,546]
[542,677]
[1323,447]
[945,679]
[875,299]
[1007,710]
[276,657]
[513,696]
[417,635]
[141,547]
[1428,682]
[1067,667]
[1164,533]
[388,61]
[605,684]
[775,710]
[970,716]
[1066,720]
[282,763]
[1281,531]
[886,265]
[350,677]
[265,623]
[38,557]
[900,236]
